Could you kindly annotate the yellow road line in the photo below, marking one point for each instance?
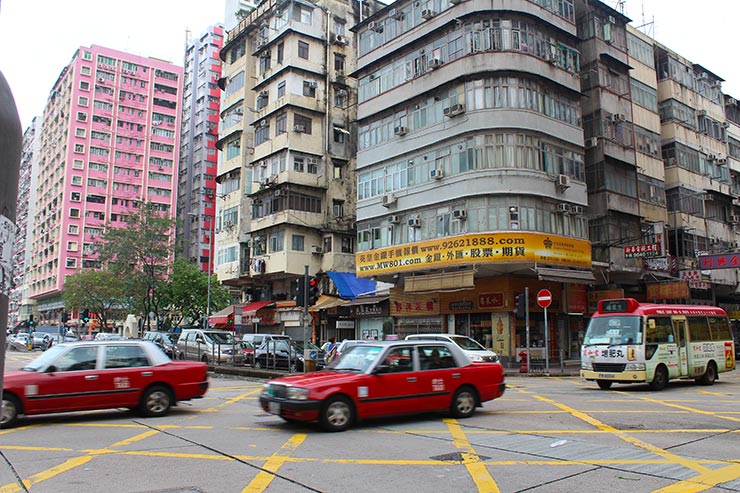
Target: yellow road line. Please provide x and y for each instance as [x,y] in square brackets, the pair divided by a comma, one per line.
[263,478]
[67,465]
[703,482]
[676,459]
[476,468]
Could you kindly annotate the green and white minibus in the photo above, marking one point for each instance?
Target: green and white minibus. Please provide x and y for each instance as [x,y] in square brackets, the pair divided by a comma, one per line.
[631,342]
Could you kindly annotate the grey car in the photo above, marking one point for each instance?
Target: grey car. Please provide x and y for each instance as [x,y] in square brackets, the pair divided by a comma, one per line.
[210,346]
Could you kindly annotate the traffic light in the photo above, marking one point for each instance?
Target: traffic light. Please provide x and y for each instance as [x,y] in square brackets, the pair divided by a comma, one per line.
[31,322]
[521,305]
[85,316]
[313,290]
[300,291]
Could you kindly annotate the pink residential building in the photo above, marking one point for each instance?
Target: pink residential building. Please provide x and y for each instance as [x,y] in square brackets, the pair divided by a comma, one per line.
[109,141]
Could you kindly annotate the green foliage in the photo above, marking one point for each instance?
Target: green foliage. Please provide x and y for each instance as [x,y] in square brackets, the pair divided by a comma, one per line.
[100,291]
[186,292]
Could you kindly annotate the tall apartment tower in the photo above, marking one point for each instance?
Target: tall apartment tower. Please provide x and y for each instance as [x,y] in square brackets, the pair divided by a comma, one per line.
[20,306]
[196,191]
[286,174]
[109,142]
[471,182]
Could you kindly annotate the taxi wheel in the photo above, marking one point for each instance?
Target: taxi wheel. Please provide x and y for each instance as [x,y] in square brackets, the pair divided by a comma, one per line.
[463,404]
[10,410]
[660,379]
[155,401]
[336,414]
[710,375]
[604,384]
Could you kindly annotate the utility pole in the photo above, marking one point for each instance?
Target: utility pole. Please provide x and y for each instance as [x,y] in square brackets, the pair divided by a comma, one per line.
[11,143]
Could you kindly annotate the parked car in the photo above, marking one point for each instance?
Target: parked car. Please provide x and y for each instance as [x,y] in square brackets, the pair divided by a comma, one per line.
[285,355]
[209,346]
[471,347]
[166,341]
[79,376]
[20,342]
[257,339]
[386,378]
[40,340]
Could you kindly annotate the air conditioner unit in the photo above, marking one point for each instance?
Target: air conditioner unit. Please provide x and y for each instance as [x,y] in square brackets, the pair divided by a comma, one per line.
[340,40]
[299,128]
[278,193]
[427,14]
[400,130]
[563,181]
[237,144]
[312,161]
[592,142]
[460,214]
[414,222]
[563,208]
[375,26]
[316,250]
[101,79]
[389,199]
[725,124]
[731,101]
[313,84]
[454,110]
[612,20]
[437,174]
[263,123]
[734,218]
[702,112]
[618,117]
[395,14]
[394,219]
[264,94]
[576,209]
[434,63]
[721,161]
[711,157]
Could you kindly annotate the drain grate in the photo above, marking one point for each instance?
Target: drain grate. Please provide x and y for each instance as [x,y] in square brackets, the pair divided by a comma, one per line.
[455,457]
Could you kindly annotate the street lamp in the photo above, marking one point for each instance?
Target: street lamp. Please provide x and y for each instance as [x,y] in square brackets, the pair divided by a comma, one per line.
[208,269]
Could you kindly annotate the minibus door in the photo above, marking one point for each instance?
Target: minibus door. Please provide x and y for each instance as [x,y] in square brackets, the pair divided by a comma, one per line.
[679,336]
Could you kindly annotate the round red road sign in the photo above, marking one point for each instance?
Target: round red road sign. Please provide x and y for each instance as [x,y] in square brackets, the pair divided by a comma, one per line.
[544,298]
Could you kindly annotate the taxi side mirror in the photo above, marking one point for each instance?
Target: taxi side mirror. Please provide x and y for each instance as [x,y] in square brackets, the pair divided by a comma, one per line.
[381,369]
[51,369]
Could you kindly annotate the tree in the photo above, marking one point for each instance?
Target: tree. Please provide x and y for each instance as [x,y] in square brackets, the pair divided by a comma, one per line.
[139,254]
[186,292]
[99,291]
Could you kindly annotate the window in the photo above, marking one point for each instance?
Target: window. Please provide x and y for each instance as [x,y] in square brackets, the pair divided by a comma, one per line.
[78,359]
[79,148]
[303,50]
[125,357]
[298,243]
[75,197]
[85,71]
[281,89]
[327,244]
[312,165]
[305,15]
[309,88]
[76,180]
[81,117]
[339,134]
[87,55]
[262,133]
[74,212]
[301,124]
[84,85]
[276,241]
[298,164]
[80,132]
[73,229]
[347,244]
[340,97]
[338,166]
[339,62]
[83,101]
[71,263]
[338,208]
[72,246]
[281,123]
[78,164]
[339,27]
[280,52]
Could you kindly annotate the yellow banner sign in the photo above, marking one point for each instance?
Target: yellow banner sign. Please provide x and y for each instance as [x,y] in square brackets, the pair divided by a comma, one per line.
[508,247]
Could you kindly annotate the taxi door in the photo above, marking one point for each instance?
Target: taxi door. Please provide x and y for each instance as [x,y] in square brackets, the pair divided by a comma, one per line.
[126,372]
[392,390]
[437,376]
[74,384]
[679,335]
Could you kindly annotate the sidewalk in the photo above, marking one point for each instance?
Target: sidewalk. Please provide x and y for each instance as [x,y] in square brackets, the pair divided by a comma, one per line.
[568,368]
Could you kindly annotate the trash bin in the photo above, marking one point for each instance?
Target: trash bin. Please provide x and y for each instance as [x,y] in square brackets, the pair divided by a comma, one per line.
[310,365]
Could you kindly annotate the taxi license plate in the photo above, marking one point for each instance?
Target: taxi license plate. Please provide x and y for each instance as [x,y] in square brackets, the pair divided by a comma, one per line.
[606,375]
[273,408]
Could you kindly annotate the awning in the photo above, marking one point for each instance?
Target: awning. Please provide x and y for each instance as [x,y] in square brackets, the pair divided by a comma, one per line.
[325,302]
[350,286]
[366,300]
[250,310]
[440,283]
[565,275]
[221,317]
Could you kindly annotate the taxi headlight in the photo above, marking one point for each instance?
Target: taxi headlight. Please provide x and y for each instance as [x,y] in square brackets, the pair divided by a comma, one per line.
[634,367]
[587,365]
[296,393]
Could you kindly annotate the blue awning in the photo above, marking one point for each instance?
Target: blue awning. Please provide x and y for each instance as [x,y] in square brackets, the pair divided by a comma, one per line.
[350,286]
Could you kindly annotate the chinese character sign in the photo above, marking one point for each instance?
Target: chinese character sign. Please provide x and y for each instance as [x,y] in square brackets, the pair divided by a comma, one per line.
[724,261]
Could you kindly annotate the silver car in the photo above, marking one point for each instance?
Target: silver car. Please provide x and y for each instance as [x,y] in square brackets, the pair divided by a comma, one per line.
[210,346]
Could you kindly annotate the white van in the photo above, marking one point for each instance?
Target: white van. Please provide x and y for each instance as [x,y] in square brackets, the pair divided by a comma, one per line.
[470,347]
[257,339]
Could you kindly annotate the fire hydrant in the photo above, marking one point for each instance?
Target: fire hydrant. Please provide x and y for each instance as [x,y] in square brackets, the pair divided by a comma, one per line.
[523,356]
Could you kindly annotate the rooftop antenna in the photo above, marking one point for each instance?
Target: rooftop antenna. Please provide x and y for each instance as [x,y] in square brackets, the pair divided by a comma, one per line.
[647,27]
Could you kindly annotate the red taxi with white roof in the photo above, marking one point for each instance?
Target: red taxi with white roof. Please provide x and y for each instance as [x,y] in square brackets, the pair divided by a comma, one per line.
[90,375]
[384,378]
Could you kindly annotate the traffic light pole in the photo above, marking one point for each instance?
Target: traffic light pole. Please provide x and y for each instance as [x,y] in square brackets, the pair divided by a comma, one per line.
[306,318]
[526,324]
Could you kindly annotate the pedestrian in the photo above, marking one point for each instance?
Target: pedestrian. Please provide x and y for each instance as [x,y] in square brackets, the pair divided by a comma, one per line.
[331,350]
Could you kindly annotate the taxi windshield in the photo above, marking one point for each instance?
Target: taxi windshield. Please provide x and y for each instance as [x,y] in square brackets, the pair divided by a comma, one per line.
[356,358]
[44,359]
[615,331]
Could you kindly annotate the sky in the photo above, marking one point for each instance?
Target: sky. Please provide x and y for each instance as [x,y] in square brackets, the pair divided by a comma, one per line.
[39,37]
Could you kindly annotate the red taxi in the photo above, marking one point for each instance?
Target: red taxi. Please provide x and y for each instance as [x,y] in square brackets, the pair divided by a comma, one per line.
[101,375]
[384,378]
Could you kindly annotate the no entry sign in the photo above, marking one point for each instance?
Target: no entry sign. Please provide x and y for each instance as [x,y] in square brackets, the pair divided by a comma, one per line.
[544,298]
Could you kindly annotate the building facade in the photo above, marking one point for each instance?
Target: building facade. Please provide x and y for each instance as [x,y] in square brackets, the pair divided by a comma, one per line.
[287,142]
[109,141]
[197,166]
[471,182]
[20,305]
